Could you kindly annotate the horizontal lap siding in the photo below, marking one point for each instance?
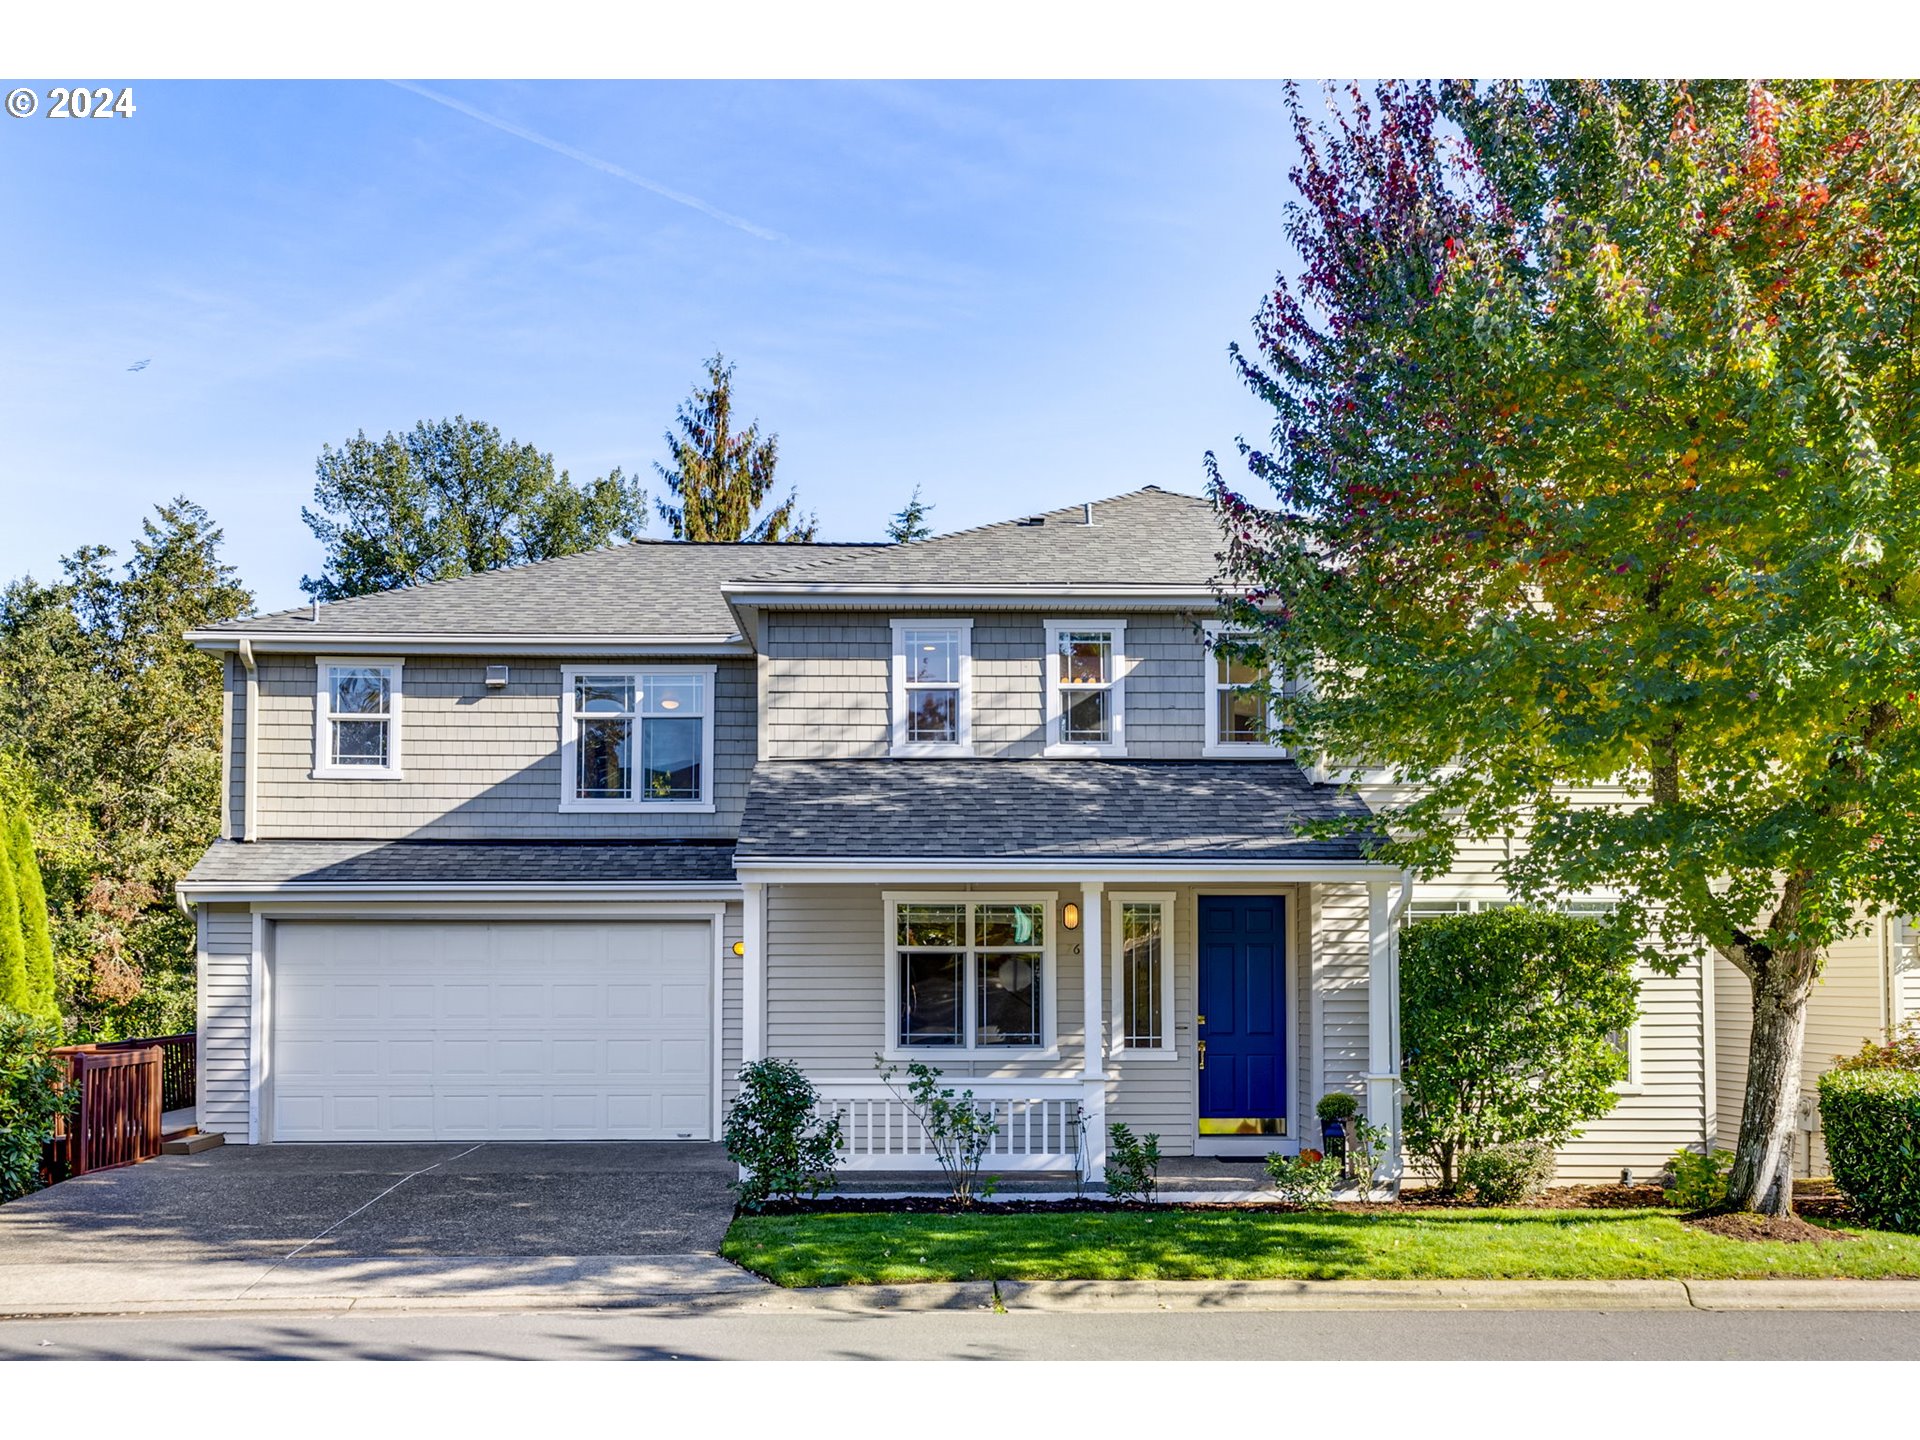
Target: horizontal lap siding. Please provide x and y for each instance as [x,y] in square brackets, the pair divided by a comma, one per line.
[1341,939]
[478,763]
[225,1018]
[732,970]
[1848,1006]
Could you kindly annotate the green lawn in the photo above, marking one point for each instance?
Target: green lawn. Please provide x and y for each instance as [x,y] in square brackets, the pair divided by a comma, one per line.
[1224,1244]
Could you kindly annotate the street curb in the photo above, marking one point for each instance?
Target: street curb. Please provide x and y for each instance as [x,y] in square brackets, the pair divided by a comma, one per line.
[1069,1296]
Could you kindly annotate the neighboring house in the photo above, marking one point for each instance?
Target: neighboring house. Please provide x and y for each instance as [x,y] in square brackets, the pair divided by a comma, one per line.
[546,853]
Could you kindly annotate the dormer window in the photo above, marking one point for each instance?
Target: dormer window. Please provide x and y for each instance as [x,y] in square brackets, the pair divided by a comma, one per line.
[356,728]
[1085,663]
[932,681]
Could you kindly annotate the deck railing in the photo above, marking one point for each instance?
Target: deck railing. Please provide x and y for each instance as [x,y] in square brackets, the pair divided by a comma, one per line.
[1037,1124]
[117,1120]
[179,1066]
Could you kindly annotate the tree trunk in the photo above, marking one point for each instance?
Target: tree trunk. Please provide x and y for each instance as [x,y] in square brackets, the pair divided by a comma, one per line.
[1762,1177]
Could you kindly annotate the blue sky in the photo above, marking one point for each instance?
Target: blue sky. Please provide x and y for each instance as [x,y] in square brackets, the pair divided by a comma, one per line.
[1015,295]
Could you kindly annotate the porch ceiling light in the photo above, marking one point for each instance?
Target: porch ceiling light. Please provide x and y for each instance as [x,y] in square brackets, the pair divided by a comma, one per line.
[1070,915]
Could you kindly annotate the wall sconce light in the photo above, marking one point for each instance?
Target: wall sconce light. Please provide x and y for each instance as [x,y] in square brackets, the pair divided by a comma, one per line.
[1070,915]
[739,947]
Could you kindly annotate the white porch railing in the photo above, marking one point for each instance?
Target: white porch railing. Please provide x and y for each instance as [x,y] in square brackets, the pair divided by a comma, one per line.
[1037,1124]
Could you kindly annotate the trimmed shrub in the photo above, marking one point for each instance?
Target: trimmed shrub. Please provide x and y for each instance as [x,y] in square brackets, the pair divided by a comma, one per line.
[1872,1123]
[1694,1181]
[1133,1164]
[1336,1105]
[30,1099]
[35,934]
[1509,1027]
[775,1136]
[1505,1174]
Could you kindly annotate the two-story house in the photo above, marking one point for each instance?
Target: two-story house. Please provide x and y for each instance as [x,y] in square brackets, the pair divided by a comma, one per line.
[547,853]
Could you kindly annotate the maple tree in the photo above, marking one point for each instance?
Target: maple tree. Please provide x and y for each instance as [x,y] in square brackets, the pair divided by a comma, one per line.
[1595,462]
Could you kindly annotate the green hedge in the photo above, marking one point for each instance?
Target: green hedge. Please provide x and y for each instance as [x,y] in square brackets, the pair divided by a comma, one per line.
[1872,1123]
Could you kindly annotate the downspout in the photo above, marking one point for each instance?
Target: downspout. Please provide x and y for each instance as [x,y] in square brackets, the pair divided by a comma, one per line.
[1394,915]
[249,790]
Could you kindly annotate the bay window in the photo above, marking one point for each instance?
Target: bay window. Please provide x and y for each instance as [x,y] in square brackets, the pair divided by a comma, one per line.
[969,973]
[357,720]
[636,739]
[1085,661]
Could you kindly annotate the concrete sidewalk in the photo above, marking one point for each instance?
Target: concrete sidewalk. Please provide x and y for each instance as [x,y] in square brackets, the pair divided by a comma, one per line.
[706,1284]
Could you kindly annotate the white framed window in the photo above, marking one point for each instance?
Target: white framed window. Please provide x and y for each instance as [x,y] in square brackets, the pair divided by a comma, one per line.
[1142,960]
[1086,668]
[356,720]
[932,687]
[1240,719]
[1626,1041]
[636,738]
[969,973]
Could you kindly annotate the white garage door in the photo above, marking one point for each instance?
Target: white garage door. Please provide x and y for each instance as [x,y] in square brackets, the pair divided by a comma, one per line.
[565,1030]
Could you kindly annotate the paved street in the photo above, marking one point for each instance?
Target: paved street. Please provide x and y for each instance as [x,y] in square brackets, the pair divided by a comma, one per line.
[657,1335]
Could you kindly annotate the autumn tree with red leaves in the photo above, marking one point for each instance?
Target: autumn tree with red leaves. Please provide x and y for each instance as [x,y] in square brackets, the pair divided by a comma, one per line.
[1596,460]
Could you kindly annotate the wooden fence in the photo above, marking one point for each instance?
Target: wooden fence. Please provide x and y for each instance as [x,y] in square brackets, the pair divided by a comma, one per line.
[124,1088]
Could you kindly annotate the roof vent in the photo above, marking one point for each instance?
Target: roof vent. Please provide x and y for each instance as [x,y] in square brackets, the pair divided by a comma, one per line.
[1087,510]
[315,616]
[1032,520]
[496,677]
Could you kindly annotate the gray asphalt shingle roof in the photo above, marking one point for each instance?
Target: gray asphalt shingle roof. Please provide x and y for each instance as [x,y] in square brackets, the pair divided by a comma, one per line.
[457,862]
[1039,809]
[646,587]
[1146,537]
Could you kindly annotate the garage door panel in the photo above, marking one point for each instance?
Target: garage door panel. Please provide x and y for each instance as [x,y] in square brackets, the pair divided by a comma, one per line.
[469,1030]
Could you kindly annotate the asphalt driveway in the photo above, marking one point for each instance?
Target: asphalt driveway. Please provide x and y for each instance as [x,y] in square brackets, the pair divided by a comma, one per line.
[269,1203]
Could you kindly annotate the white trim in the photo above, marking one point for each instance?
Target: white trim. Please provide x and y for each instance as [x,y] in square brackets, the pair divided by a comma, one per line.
[612,892]
[1213,747]
[1168,1048]
[1293,901]
[571,802]
[717,1119]
[636,647]
[886,870]
[897,686]
[1093,1049]
[753,976]
[1053,711]
[1048,1049]
[324,766]
[259,1003]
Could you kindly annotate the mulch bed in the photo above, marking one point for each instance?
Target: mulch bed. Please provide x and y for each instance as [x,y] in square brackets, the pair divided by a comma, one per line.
[1566,1197]
[1740,1226]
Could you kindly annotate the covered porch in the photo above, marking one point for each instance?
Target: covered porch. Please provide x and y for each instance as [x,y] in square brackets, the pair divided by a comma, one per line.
[1061,971]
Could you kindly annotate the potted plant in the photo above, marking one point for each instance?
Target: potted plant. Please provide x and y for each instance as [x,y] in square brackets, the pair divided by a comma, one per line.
[1335,1110]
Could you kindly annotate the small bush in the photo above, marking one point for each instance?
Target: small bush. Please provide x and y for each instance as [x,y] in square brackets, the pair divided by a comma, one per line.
[1504,1174]
[30,1099]
[1336,1105]
[1307,1179]
[958,1128]
[1133,1164]
[775,1136]
[1694,1181]
[1872,1123]
[1900,1052]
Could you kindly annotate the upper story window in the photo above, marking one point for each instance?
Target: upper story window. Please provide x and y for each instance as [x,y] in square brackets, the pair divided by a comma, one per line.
[1085,711]
[932,681]
[636,739]
[1240,716]
[356,732]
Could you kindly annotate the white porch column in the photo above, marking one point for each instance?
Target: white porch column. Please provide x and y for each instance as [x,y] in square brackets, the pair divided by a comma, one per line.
[1383,1020]
[753,975]
[1093,996]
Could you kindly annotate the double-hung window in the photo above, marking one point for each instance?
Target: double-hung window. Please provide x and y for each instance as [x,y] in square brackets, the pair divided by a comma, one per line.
[1240,711]
[356,731]
[932,680]
[1142,931]
[969,973]
[634,739]
[1085,661]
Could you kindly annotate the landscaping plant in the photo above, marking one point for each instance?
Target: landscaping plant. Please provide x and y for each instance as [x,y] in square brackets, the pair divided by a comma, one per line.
[958,1127]
[31,1098]
[1694,1179]
[1590,503]
[1307,1179]
[1900,1051]
[1367,1150]
[1509,1028]
[1872,1123]
[1133,1164]
[1506,1173]
[775,1134]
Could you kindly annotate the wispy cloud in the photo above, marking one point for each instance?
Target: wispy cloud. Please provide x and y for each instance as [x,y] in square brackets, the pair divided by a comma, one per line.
[606,167]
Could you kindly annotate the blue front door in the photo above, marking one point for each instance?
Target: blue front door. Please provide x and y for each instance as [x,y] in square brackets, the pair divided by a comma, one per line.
[1243,1015]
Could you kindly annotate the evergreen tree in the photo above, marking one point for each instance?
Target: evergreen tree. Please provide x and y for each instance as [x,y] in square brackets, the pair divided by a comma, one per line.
[34,929]
[449,498]
[718,478]
[14,993]
[910,523]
